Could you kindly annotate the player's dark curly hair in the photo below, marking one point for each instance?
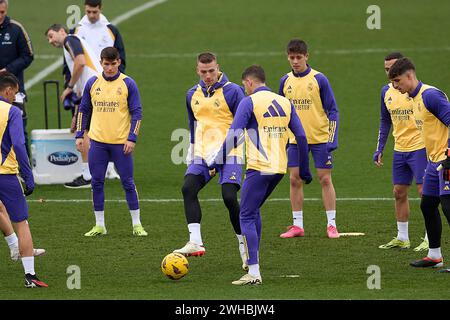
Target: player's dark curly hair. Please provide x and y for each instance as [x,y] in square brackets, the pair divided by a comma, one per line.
[297,46]
[400,67]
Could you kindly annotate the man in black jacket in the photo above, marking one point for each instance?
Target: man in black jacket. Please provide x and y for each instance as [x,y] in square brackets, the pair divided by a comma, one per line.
[16,54]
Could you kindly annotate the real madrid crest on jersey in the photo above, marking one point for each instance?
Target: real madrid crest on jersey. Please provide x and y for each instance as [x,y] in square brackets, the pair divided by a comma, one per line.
[310,86]
[217,103]
[119,91]
[7,36]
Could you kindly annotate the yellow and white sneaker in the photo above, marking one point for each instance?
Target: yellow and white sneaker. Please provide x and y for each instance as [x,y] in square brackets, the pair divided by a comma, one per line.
[96,231]
[138,230]
[423,246]
[248,279]
[396,243]
[191,249]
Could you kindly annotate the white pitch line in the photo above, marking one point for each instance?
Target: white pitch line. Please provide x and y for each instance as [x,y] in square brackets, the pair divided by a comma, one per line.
[212,200]
[264,54]
[58,63]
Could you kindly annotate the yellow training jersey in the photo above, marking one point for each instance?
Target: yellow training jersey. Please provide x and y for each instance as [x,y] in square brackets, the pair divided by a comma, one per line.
[116,110]
[313,99]
[397,108]
[211,111]
[432,115]
[12,141]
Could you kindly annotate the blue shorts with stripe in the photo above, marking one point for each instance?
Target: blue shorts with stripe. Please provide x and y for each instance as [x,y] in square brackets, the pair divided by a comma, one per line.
[409,165]
[11,195]
[434,184]
[322,158]
[230,172]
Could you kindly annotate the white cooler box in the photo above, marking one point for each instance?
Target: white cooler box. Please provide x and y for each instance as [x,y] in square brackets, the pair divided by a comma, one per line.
[54,156]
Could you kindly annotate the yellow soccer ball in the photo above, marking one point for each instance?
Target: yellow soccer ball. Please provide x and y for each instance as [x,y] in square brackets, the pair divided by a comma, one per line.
[175,266]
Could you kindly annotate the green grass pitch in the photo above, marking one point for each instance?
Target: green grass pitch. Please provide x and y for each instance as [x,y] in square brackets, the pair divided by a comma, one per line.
[161,45]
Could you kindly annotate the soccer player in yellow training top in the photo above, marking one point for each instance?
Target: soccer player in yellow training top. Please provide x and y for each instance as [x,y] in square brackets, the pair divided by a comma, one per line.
[112,101]
[211,106]
[311,94]
[14,158]
[432,115]
[266,118]
[410,157]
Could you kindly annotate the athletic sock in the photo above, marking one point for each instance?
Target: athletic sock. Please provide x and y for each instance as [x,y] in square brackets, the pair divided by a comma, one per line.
[195,235]
[434,253]
[135,217]
[28,265]
[331,216]
[253,270]
[85,171]
[402,233]
[99,218]
[12,240]
[298,218]
[240,238]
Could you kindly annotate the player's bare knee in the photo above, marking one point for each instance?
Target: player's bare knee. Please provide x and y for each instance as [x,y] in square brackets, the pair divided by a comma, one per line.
[400,193]
[295,181]
[325,181]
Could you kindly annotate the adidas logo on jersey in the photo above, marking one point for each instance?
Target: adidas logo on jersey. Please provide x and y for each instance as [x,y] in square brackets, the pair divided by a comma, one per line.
[274,113]
[446,188]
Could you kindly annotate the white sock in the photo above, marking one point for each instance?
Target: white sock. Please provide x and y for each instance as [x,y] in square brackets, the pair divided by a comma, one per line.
[331,216]
[110,166]
[195,235]
[100,218]
[434,253]
[85,171]
[240,238]
[135,217]
[298,218]
[402,233]
[12,240]
[28,265]
[253,270]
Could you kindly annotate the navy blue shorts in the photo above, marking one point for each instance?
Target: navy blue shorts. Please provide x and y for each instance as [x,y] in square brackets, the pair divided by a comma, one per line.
[11,195]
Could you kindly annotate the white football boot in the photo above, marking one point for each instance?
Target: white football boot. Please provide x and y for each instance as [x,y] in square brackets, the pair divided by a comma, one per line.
[191,250]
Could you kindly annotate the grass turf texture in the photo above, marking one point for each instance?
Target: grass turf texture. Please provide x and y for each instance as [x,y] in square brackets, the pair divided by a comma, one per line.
[241,33]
